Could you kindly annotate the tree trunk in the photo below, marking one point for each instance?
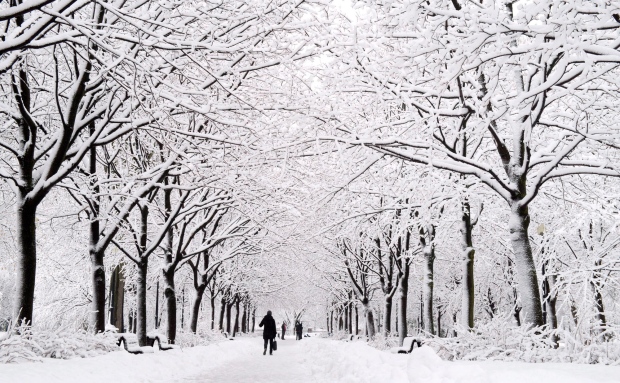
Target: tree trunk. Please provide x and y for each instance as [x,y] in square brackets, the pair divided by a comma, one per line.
[403,291]
[331,321]
[244,318]
[168,273]
[27,261]
[98,281]
[140,318]
[183,308]
[350,318]
[574,314]
[222,310]
[396,319]
[427,289]
[467,307]
[454,334]
[601,320]
[600,309]
[357,324]
[387,316]
[371,324]
[526,269]
[130,320]
[327,323]
[196,308]
[370,320]
[26,208]
[516,312]
[117,295]
[96,255]
[212,299]
[253,319]
[439,321]
[492,310]
[550,299]
[140,327]
[171,305]
[228,316]
[421,311]
[346,318]
[236,327]
[157,305]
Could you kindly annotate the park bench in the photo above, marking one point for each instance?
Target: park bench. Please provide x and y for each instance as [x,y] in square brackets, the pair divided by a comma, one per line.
[162,347]
[361,337]
[130,343]
[349,338]
[227,336]
[408,344]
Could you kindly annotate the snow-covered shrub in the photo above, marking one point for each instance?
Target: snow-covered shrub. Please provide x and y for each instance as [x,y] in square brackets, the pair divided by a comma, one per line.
[201,338]
[33,345]
[499,341]
[6,287]
[340,335]
[383,343]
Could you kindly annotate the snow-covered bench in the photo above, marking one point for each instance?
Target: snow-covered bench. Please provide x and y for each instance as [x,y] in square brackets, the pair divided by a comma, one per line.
[408,344]
[226,335]
[364,338]
[162,347]
[349,338]
[130,343]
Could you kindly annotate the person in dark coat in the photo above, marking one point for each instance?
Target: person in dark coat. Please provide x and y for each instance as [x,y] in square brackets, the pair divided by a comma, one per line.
[283,329]
[300,329]
[269,332]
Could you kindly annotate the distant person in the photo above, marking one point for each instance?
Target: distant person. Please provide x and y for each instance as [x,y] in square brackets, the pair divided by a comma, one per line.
[300,330]
[269,332]
[283,329]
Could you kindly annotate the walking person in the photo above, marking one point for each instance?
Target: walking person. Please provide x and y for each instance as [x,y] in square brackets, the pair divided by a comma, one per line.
[283,329]
[269,332]
[300,330]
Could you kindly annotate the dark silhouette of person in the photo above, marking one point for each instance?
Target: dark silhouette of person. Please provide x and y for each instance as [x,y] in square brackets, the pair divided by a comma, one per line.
[300,329]
[283,329]
[269,332]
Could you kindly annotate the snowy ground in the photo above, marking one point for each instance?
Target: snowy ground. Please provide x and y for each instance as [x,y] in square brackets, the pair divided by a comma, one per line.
[308,360]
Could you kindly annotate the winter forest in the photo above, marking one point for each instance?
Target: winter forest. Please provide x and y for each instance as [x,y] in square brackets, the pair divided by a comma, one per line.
[437,177]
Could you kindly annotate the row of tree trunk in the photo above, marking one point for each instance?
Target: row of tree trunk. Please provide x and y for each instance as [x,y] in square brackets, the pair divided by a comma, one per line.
[244,318]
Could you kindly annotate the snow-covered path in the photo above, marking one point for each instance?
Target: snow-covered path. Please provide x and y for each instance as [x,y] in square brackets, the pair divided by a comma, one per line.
[305,361]
[288,364]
